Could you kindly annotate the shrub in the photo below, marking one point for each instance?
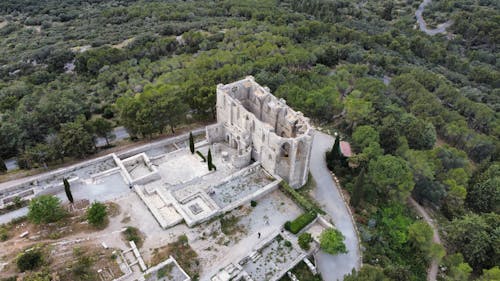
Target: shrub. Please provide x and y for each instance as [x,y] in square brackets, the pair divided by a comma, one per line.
[4,235]
[201,155]
[133,234]
[304,240]
[253,203]
[191,142]
[287,225]
[45,209]
[96,214]
[332,241]
[300,222]
[298,198]
[29,260]
[288,243]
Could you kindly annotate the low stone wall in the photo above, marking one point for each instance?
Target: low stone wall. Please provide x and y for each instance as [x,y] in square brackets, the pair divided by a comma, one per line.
[158,144]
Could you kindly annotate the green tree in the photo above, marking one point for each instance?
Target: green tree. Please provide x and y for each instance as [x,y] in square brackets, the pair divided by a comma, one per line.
[76,139]
[29,260]
[209,160]
[67,190]
[484,197]
[103,128]
[3,167]
[474,236]
[458,270]
[420,237]
[45,209]
[364,135]
[490,274]
[191,142]
[367,273]
[332,242]
[96,214]
[357,109]
[357,192]
[392,176]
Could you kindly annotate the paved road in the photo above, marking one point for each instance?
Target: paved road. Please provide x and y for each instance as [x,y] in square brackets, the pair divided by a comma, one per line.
[11,164]
[433,268]
[441,28]
[333,268]
[120,134]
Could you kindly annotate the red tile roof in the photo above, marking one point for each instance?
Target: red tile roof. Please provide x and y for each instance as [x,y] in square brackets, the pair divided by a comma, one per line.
[345,148]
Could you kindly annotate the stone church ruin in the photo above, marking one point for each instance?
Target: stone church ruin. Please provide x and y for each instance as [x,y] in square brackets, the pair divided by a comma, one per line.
[261,127]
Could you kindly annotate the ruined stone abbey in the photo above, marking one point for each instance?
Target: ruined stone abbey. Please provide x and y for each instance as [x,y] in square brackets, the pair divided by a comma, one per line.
[263,128]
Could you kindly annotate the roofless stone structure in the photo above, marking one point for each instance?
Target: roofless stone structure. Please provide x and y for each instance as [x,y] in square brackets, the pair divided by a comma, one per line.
[263,128]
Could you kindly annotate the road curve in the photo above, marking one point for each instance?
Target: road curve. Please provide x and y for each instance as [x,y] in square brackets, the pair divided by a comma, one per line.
[333,268]
[433,268]
[441,28]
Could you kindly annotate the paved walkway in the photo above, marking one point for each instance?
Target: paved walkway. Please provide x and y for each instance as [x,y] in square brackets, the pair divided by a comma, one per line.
[433,267]
[333,268]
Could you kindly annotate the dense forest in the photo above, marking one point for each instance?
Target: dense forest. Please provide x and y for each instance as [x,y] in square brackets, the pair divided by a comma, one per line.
[421,112]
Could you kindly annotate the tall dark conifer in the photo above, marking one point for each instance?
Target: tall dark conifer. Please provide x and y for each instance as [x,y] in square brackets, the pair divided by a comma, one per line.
[67,189]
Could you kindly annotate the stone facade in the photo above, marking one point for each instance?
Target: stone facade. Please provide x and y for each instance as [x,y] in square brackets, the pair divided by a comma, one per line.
[261,127]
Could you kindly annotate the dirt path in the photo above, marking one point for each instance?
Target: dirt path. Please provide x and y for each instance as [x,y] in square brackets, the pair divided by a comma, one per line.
[441,28]
[433,268]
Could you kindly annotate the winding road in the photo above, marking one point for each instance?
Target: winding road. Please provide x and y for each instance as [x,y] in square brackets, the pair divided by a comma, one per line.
[441,28]
[333,268]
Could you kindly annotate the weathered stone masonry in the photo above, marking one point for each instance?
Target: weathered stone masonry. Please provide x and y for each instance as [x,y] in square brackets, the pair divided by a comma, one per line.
[263,128]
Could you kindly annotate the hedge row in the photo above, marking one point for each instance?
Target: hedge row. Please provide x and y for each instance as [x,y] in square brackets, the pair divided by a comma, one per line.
[299,199]
[300,222]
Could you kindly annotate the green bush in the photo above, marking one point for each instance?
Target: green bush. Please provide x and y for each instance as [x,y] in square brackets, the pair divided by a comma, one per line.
[288,243]
[96,214]
[304,240]
[300,222]
[45,209]
[201,155]
[29,260]
[332,241]
[133,234]
[253,203]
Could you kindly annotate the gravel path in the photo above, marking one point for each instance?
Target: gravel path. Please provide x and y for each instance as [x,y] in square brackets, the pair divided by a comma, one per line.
[333,268]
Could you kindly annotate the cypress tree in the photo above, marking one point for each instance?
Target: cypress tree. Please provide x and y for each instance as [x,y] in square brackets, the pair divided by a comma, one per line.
[209,160]
[3,167]
[334,155]
[67,189]
[191,142]
[335,152]
[357,192]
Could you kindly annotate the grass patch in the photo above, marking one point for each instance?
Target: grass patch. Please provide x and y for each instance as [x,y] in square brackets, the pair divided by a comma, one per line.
[165,271]
[229,225]
[133,234]
[182,252]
